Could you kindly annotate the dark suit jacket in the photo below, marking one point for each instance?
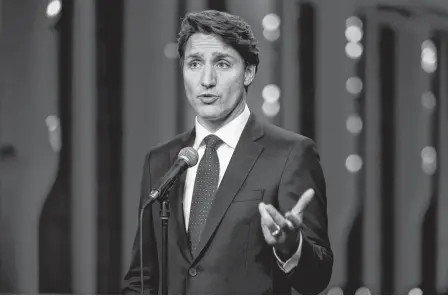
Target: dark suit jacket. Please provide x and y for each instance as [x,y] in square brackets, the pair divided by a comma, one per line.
[269,164]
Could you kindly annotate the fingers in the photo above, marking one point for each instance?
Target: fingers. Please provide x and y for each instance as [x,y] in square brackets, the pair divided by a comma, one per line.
[304,200]
[278,218]
[266,219]
[296,214]
[272,218]
[295,219]
[267,225]
[275,226]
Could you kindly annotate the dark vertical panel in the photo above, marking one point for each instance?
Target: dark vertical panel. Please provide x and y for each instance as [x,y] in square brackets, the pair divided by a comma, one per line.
[277,76]
[442,217]
[275,66]
[372,234]
[289,65]
[355,239]
[354,254]
[55,221]
[387,71]
[307,62]
[181,99]
[217,5]
[333,104]
[151,96]
[429,228]
[109,17]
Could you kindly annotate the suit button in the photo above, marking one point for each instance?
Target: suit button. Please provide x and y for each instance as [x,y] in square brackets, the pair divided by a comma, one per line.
[193,272]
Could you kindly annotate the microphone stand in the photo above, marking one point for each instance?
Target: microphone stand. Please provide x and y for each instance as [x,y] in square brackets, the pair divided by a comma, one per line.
[164,217]
[187,157]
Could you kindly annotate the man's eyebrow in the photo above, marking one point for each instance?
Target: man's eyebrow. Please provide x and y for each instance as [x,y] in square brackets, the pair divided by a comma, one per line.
[216,55]
[222,55]
[194,55]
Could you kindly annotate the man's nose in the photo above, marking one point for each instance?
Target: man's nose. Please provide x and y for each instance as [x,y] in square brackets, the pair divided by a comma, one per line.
[208,78]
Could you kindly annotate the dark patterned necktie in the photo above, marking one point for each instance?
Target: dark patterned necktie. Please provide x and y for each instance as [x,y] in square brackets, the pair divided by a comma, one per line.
[205,186]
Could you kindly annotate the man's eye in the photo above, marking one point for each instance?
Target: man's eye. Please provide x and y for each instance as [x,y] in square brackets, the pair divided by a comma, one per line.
[193,64]
[223,65]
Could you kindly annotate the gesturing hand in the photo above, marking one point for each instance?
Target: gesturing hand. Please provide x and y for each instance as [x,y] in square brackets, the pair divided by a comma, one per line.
[282,232]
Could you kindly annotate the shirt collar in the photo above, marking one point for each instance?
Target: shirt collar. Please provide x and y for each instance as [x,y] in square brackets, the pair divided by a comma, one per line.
[229,133]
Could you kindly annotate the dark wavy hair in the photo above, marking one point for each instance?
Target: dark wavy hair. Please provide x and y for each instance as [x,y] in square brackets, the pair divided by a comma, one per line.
[232,29]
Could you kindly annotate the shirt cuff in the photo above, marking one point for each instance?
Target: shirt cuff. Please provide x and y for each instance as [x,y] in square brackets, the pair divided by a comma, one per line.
[292,262]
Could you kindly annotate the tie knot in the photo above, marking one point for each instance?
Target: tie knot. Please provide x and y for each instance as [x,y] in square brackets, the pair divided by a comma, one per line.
[212,141]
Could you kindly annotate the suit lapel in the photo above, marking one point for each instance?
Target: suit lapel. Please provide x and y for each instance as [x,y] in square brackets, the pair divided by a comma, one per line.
[177,197]
[244,157]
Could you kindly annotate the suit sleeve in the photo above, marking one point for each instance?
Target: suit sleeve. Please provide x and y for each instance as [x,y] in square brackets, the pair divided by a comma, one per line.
[131,283]
[302,171]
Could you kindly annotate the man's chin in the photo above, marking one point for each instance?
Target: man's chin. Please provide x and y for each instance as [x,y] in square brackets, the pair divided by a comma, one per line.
[210,115]
[213,118]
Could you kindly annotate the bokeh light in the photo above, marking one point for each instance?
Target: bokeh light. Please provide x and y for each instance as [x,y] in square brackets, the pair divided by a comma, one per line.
[429,160]
[354,124]
[429,56]
[363,291]
[271,109]
[353,163]
[271,93]
[353,50]
[415,291]
[54,8]
[353,21]
[335,291]
[354,85]
[428,100]
[271,35]
[353,33]
[271,22]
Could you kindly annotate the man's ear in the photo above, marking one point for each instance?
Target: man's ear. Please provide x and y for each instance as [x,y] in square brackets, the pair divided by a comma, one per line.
[249,75]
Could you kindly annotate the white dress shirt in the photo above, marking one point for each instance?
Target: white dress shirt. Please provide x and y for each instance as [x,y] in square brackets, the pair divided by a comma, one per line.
[230,135]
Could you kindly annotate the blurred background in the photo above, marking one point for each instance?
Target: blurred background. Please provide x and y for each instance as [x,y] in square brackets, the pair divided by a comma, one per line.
[87,87]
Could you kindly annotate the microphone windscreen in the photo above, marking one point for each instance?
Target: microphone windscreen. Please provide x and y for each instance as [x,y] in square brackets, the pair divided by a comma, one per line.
[190,155]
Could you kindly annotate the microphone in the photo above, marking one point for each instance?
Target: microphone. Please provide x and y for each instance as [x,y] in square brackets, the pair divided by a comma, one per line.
[187,157]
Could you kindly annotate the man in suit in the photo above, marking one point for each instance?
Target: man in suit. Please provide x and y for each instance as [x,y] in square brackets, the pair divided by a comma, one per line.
[250,217]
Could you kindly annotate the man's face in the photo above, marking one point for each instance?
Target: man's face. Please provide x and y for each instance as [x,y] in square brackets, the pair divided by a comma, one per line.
[214,78]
